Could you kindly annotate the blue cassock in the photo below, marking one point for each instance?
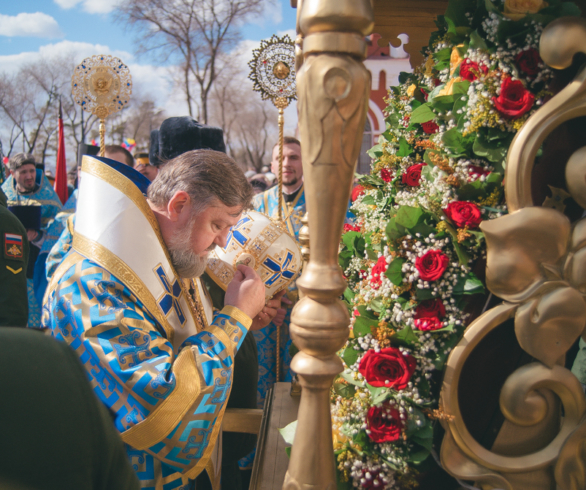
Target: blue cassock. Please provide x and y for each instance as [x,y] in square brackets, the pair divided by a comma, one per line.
[167,395]
[50,206]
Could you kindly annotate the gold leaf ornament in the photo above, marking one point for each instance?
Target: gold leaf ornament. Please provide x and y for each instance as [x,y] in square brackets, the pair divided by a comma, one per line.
[516,267]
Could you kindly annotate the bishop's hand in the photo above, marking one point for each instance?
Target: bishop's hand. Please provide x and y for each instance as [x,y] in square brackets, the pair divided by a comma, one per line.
[246,291]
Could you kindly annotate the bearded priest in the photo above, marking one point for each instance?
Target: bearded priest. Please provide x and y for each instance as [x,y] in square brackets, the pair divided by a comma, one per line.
[121,300]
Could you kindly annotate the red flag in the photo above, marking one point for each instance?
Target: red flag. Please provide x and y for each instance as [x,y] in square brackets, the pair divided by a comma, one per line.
[60,185]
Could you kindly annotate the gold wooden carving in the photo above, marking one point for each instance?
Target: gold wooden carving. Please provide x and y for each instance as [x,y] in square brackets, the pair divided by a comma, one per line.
[333,90]
[536,262]
[416,18]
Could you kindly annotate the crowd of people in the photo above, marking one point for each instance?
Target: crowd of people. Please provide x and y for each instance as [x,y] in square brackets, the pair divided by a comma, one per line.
[117,273]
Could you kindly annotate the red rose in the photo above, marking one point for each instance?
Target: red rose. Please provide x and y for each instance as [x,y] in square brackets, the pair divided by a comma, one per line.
[384,423]
[476,172]
[357,192]
[432,265]
[428,315]
[430,308]
[412,175]
[464,213]
[386,175]
[425,93]
[514,99]
[528,61]
[430,127]
[349,227]
[470,70]
[427,324]
[371,479]
[377,271]
[389,367]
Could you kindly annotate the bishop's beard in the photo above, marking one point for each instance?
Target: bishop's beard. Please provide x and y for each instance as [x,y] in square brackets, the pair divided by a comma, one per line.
[186,262]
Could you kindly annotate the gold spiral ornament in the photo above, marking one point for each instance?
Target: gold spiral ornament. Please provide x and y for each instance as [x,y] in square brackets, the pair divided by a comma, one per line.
[101,85]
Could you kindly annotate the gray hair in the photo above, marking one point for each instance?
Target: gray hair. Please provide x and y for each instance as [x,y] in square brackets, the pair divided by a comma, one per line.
[206,175]
[19,160]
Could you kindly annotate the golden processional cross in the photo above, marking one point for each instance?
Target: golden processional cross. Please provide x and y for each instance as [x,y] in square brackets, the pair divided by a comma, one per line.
[273,75]
[101,85]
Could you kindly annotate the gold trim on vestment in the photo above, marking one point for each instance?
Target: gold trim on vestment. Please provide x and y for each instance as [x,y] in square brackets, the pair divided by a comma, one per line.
[106,173]
[99,254]
[238,315]
[69,261]
[171,411]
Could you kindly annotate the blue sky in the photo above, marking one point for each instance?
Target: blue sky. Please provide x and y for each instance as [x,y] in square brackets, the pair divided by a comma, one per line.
[78,24]
[34,29]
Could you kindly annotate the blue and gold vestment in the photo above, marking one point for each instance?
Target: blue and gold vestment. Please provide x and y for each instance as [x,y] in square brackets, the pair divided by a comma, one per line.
[164,372]
[50,206]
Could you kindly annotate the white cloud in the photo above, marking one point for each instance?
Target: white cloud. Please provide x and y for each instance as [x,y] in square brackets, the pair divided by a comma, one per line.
[79,50]
[67,4]
[292,33]
[90,6]
[37,24]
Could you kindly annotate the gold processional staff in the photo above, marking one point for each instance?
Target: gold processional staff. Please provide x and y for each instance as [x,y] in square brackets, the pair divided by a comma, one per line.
[273,74]
[101,85]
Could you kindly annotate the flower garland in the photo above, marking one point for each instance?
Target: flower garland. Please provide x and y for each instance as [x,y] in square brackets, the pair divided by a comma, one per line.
[437,173]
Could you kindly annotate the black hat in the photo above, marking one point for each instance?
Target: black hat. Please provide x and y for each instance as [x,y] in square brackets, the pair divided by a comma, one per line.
[83,149]
[178,135]
[154,149]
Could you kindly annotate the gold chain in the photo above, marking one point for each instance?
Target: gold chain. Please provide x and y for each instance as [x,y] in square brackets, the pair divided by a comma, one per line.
[195,305]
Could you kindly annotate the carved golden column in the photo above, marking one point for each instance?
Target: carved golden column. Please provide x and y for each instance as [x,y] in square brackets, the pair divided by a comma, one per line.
[333,90]
[536,262]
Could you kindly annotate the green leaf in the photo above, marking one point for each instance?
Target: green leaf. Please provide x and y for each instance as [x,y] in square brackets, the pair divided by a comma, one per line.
[457,144]
[408,216]
[457,9]
[441,358]
[442,55]
[344,258]
[476,41]
[427,173]
[422,114]
[350,355]
[469,284]
[288,451]
[362,326]
[351,380]
[404,148]
[494,150]
[443,103]
[349,295]
[366,313]
[344,390]
[394,273]
[461,88]
[406,335]
[375,152]
[368,200]
[288,432]
[376,305]
[423,294]
[418,457]
[394,231]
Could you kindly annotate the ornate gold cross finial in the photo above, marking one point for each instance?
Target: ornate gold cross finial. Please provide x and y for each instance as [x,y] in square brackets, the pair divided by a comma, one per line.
[101,85]
[273,75]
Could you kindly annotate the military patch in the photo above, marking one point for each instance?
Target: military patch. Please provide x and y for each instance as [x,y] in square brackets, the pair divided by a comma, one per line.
[13,246]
